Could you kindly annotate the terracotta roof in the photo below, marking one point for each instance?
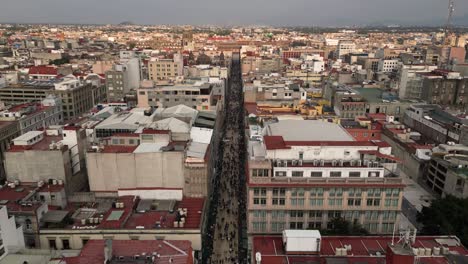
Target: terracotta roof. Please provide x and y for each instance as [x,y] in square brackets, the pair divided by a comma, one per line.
[169,251]
[43,70]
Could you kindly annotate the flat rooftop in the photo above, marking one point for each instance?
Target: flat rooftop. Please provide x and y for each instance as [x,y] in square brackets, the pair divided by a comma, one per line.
[308,130]
[363,249]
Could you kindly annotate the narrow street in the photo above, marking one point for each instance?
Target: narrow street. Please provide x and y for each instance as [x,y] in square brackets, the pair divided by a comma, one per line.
[224,241]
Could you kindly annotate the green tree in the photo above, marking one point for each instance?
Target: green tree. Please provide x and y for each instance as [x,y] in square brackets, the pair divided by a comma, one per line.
[446,216]
[341,226]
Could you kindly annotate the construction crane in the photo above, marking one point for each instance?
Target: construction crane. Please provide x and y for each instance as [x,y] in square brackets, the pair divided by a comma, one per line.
[448,26]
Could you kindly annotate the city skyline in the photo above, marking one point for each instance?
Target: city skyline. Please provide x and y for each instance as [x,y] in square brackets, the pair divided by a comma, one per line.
[259,12]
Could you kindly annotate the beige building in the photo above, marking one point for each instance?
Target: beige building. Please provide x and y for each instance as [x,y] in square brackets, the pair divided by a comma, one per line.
[136,161]
[54,154]
[166,69]
[305,173]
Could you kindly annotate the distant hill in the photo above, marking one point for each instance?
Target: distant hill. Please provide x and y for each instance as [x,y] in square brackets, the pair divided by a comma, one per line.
[127,23]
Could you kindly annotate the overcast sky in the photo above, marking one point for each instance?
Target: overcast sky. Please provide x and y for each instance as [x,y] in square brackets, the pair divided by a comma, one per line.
[234,12]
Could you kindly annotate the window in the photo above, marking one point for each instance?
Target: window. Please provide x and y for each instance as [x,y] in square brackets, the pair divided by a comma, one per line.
[297,197]
[335,192]
[335,174]
[296,214]
[301,155]
[373,202]
[279,196]
[66,243]
[296,225]
[316,202]
[315,174]
[315,214]
[335,202]
[354,174]
[260,172]
[84,241]
[297,173]
[52,243]
[315,225]
[280,174]
[52,197]
[28,224]
[277,214]
[354,202]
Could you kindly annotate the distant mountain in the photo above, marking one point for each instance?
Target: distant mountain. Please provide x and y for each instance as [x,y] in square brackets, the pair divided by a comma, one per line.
[127,23]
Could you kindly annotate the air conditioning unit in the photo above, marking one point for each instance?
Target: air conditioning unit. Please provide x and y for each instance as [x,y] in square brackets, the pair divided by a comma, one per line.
[352,163]
[294,162]
[278,163]
[300,162]
[285,163]
[366,163]
[322,163]
[341,163]
[316,162]
[334,163]
[359,163]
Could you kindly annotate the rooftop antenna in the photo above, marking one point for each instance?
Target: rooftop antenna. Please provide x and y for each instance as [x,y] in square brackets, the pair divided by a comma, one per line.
[448,25]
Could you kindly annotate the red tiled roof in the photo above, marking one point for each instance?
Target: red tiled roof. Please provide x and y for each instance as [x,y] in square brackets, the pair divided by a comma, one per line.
[118,149]
[179,251]
[148,219]
[274,142]
[43,70]
[155,131]
[271,248]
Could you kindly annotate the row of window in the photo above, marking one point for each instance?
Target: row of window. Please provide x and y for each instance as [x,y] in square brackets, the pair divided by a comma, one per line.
[375,202]
[281,214]
[332,174]
[318,191]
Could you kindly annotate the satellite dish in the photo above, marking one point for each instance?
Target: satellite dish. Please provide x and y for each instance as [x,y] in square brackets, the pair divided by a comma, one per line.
[258,257]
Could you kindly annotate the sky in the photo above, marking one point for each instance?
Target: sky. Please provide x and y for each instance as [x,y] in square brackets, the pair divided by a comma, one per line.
[233,12]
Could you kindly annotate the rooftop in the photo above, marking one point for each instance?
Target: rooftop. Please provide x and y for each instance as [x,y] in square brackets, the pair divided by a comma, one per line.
[164,251]
[368,249]
[308,130]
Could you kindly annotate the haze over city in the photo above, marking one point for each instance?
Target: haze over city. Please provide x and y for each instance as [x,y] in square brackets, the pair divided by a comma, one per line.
[240,12]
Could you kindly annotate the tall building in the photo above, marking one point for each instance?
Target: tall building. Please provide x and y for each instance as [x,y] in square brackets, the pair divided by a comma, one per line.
[123,78]
[54,154]
[303,174]
[345,47]
[166,69]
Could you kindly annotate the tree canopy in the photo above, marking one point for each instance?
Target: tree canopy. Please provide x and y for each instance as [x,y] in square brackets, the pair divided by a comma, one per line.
[446,216]
[341,226]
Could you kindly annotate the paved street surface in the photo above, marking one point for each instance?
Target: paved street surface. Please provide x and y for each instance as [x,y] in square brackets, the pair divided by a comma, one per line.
[226,224]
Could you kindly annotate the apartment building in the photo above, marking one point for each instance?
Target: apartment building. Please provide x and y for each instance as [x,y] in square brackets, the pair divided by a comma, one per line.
[123,78]
[274,94]
[33,116]
[198,95]
[166,69]
[447,170]
[11,235]
[446,88]
[388,65]
[302,174]
[345,47]
[56,153]
[77,96]
[410,82]
[435,124]
[8,131]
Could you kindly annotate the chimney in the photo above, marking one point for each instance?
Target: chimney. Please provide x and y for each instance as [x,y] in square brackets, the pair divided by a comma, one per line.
[108,251]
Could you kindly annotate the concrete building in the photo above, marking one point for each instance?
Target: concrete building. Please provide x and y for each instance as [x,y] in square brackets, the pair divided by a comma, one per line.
[135,161]
[445,88]
[410,82]
[199,95]
[345,47]
[274,94]
[11,235]
[77,96]
[302,174]
[388,65]
[436,125]
[8,131]
[54,154]
[33,116]
[123,78]
[447,170]
[261,65]
[166,69]
[310,247]
[197,71]
[134,251]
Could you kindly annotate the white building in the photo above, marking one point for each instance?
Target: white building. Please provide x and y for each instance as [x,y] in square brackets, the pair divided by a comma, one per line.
[345,47]
[388,65]
[11,236]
